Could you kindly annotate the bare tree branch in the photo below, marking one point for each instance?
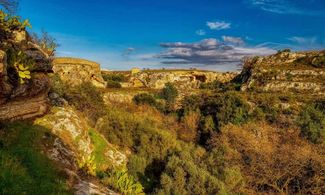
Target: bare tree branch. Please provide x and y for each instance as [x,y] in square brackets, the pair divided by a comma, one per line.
[9,5]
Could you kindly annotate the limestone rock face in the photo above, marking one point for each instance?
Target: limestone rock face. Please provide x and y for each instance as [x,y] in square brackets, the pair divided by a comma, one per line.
[183,79]
[73,130]
[66,158]
[29,99]
[302,72]
[76,71]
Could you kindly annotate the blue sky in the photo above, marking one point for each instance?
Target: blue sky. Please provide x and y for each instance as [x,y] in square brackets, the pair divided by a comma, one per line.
[208,34]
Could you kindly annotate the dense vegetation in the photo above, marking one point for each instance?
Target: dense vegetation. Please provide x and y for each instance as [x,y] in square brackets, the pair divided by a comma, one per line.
[217,142]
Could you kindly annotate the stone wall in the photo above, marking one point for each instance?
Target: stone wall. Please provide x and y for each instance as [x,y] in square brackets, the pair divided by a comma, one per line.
[75,71]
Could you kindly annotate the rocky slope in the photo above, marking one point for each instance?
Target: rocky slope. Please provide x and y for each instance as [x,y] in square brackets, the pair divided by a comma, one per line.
[300,72]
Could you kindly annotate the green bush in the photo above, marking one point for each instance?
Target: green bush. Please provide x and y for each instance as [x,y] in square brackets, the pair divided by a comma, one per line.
[121,181]
[115,77]
[212,85]
[226,108]
[169,93]
[9,23]
[19,64]
[87,99]
[113,84]
[312,122]
[188,172]
[216,111]
[144,98]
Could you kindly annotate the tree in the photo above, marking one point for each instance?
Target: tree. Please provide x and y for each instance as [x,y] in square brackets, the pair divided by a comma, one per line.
[9,5]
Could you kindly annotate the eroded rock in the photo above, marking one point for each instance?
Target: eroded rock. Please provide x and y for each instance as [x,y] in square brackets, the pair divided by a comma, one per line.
[183,79]
[301,72]
[75,71]
[71,127]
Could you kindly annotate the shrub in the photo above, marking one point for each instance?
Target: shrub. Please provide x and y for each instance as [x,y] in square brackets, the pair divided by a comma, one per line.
[184,175]
[46,42]
[312,122]
[9,23]
[121,181]
[88,99]
[190,124]
[216,111]
[284,51]
[169,93]
[212,85]
[113,84]
[144,98]
[20,63]
[115,77]
[226,108]
[88,165]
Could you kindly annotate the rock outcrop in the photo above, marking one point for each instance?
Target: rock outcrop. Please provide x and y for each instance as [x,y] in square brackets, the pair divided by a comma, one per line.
[73,130]
[28,99]
[73,142]
[75,71]
[183,79]
[302,72]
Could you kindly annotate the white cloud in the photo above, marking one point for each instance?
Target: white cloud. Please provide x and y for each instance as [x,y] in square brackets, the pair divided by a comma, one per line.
[218,25]
[200,32]
[208,52]
[303,40]
[233,40]
[289,6]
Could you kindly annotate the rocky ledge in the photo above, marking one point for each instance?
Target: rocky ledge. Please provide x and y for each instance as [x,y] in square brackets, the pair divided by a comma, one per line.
[299,72]
[27,99]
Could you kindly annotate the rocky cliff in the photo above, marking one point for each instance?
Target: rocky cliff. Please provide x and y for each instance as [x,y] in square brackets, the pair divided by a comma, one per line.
[75,71]
[183,79]
[23,86]
[299,72]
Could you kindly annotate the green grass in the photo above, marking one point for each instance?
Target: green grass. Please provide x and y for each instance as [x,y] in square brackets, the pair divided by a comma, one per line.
[100,147]
[23,167]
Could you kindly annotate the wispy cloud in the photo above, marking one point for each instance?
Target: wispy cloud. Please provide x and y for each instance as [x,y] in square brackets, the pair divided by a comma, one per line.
[303,40]
[208,52]
[218,25]
[200,32]
[233,40]
[288,6]
[128,51]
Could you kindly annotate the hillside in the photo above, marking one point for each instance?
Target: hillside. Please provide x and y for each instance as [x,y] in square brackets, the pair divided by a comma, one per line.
[68,128]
